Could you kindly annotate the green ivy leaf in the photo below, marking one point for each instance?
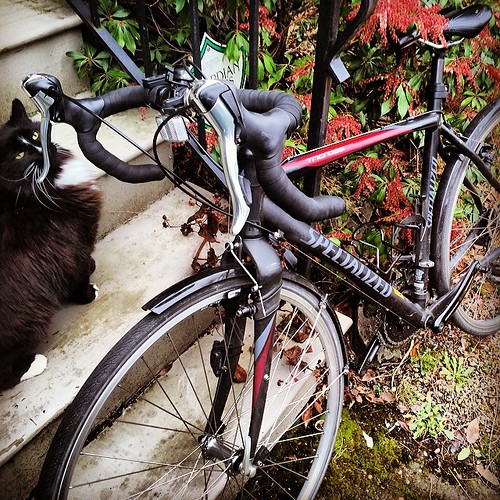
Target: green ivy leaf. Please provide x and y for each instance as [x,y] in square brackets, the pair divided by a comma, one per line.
[449,434]
[179,5]
[402,101]
[464,453]
[121,13]
[385,107]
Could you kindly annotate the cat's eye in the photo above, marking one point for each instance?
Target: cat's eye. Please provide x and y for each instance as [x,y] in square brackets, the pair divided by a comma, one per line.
[35,136]
[19,155]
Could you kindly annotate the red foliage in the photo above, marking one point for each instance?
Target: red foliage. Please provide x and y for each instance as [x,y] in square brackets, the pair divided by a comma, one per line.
[305,100]
[341,127]
[210,136]
[287,151]
[461,67]
[391,17]
[366,183]
[340,235]
[306,69]
[264,22]
[396,202]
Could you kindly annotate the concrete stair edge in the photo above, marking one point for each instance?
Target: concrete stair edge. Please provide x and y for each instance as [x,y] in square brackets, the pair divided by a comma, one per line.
[42,19]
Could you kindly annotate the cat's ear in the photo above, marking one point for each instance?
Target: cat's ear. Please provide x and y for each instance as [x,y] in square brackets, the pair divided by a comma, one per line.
[18,114]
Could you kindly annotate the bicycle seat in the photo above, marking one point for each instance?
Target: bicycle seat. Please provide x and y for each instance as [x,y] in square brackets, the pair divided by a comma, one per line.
[463,23]
[466,23]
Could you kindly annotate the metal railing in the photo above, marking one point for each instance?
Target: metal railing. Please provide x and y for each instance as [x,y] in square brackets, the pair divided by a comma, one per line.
[88,13]
[328,46]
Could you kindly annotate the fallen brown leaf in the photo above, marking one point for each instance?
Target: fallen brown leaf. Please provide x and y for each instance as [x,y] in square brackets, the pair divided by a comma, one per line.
[473,431]
[293,354]
[306,416]
[240,375]
[388,397]
[487,474]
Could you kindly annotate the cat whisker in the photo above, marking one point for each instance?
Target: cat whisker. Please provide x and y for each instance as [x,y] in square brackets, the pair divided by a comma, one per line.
[29,169]
[18,195]
[40,188]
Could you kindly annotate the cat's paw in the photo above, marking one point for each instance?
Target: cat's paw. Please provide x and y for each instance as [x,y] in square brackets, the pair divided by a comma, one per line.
[85,295]
[37,366]
[96,290]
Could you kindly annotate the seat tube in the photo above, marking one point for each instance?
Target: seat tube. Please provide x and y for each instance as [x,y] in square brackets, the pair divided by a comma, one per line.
[437,92]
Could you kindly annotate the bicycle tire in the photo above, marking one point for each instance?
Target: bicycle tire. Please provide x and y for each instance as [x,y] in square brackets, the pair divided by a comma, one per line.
[467,228]
[129,405]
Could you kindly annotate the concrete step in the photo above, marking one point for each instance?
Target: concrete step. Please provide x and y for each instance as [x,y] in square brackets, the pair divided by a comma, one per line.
[134,262]
[34,37]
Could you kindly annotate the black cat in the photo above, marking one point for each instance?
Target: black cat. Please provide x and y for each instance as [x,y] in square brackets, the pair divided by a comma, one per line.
[48,231]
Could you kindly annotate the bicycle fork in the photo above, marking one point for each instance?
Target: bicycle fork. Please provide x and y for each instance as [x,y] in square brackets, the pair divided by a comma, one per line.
[261,306]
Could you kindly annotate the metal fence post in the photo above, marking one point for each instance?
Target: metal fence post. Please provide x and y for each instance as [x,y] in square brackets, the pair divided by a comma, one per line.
[91,19]
[254,44]
[328,24]
[195,44]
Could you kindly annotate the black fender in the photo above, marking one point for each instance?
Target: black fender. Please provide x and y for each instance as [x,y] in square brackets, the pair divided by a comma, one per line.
[189,285]
[209,277]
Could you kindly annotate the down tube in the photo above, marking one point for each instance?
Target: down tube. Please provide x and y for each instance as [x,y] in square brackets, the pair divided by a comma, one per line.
[368,282]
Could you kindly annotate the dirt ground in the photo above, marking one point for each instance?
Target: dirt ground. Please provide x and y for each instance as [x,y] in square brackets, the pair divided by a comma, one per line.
[422,422]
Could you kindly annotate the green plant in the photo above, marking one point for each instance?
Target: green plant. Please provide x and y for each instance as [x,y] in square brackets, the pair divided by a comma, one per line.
[427,362]
[89,60]
[103,73]
[118,22]
[384,85]
[97,66]
[407,393]
[426,419]
[455,370]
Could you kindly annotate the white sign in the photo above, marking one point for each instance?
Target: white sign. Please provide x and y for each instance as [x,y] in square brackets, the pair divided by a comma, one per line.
[215,65]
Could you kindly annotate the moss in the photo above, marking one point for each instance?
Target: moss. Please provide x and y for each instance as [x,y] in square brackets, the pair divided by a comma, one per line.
[357,471]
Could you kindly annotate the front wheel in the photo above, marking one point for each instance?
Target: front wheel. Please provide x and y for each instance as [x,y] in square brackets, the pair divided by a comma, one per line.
[137,429]
[467,227]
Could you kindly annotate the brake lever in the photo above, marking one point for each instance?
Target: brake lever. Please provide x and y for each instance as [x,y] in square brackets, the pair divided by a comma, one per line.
[43,91]
[207,99]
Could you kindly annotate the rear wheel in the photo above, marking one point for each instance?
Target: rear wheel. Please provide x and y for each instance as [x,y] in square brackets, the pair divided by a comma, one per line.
[137,429]
[467,228]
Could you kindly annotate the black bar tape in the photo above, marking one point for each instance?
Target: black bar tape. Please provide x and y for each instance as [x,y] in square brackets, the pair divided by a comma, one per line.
[122,99]
[102,158]
[268,118]
[87,126]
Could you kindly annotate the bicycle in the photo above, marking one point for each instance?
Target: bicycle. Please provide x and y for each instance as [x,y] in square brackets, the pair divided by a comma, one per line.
[126,434]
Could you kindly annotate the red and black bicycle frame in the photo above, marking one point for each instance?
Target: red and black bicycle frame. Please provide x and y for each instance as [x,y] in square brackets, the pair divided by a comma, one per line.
[416,309]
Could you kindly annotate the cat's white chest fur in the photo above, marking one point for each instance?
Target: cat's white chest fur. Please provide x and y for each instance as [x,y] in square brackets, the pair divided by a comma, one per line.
[76,171]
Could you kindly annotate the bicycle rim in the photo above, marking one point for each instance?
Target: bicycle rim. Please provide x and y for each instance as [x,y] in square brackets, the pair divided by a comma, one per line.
[469,229]
[133,431]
